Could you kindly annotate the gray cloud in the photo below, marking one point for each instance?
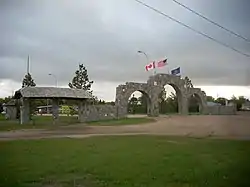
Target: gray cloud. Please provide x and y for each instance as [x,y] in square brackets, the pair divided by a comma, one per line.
[106,36]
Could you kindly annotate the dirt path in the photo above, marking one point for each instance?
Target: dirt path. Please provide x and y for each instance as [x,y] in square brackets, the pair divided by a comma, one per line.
[237,126]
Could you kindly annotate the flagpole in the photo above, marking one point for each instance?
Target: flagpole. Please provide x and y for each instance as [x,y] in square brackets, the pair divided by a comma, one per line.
[28,64]
[154,72]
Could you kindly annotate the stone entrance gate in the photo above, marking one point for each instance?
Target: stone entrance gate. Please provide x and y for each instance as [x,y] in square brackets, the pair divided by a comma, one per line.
[153,88]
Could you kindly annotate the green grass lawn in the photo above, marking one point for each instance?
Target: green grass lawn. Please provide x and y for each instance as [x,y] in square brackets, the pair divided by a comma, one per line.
[37,122]
[152,161]
[123,121]
[46,122]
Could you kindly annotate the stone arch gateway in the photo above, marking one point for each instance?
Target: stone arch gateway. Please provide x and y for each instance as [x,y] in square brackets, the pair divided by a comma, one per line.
[152,89]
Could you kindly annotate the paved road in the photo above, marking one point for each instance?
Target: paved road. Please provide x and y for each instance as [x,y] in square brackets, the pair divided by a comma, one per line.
[237,126]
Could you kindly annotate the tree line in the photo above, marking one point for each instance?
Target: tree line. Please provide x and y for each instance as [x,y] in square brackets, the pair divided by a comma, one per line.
[170,104]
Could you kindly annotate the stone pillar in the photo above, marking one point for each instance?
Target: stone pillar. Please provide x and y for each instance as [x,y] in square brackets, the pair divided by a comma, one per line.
[202,108]
[148,108]
[122,107]
[25,111]
[154,109]
[154,104]
[184,106]
[82,111]
[55,109]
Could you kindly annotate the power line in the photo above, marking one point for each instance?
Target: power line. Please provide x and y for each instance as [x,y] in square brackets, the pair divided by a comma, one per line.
[211,21]
[194,30]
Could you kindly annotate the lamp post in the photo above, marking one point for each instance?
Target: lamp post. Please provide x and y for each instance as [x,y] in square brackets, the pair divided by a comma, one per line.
[54,78]
[142,52]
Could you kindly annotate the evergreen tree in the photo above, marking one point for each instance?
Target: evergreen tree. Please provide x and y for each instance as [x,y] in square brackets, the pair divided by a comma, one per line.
[188,82]
[28,81]
[1,108]
[81,79]
[132,104]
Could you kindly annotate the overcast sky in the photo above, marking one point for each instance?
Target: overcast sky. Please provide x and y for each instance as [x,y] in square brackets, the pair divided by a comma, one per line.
[105,36]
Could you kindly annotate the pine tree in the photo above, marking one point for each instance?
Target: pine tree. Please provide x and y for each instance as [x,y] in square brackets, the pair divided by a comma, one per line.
[81,79]
[28,81]
[188,82]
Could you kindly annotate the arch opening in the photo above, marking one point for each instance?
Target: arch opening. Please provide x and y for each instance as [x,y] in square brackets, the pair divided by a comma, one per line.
[138,103]
[194,104]
[169,100]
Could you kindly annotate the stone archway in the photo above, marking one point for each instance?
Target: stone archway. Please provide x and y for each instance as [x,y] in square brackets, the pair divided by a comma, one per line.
[152,89]
[123,92]
[177,83]
[201,96]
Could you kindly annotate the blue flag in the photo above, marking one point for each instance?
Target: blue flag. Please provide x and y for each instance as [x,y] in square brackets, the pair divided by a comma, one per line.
[176,71]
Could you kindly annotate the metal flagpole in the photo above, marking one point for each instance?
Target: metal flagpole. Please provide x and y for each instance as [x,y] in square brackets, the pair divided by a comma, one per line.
[28,64]
[154,70]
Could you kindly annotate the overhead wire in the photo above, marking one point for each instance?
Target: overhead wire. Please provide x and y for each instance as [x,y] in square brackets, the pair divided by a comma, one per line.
[211,21]
[194,30]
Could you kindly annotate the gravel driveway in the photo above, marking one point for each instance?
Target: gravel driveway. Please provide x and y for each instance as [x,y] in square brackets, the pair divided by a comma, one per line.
[234,126]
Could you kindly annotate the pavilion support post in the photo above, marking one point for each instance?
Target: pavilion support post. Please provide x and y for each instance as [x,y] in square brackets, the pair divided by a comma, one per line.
[82,111]
[55,109]
[25,111]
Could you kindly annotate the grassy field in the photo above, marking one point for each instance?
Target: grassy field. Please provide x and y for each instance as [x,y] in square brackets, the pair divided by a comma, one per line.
[123,121]
[37,122]
[125,161]
[46,122]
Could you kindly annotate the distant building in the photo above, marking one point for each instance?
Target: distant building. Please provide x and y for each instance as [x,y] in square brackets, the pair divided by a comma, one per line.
[48,109]
[44,109]
[246,106]
[10,110]
[210,103]
[230,103]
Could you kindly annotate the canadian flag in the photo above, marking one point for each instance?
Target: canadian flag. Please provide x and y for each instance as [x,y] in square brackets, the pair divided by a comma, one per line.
[150,66]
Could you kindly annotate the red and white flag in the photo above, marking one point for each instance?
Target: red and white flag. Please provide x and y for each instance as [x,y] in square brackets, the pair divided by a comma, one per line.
[150,66]
[162,63]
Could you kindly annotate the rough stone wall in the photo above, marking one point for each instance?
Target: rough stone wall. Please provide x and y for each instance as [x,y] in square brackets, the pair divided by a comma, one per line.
[220,110]
[200,95]
[123,92]
[177,83]
[25,111]
[98,112]
[11,112]
[152,89]
[55,109]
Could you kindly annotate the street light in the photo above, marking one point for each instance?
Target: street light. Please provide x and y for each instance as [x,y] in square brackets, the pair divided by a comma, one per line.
[142,52]
[54,78]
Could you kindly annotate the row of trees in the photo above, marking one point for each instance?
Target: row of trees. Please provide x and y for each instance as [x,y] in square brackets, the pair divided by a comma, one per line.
[239,101]
[79,81]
